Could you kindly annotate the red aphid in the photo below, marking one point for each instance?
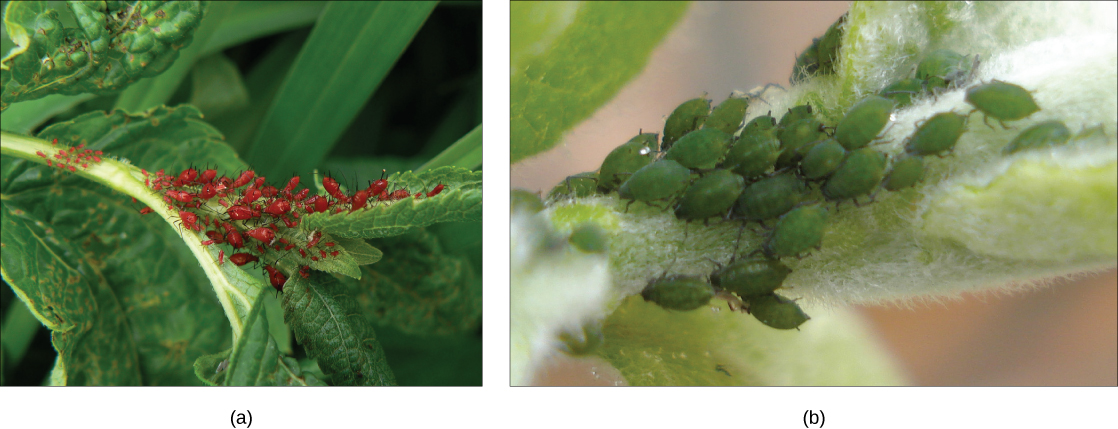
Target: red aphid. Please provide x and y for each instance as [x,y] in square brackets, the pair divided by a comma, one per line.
[322,252]
[146,210]
[291,223]
[221,257]
[208,191]
[378,186]
[215,236]
[291,184]
[315,236]
[207,176]
[243,179]
[288,247]
[263,234]
[301,252]
[260,182]
[303,271]
[302,194]
[314,258]
[187,176]
[330,244]
[400,194]
[181,196]
[334,253]
[207,242]
[321,204]
[234,239]
[359,200]
[278,207]
[277,278]
[251,195]
[242,258]
[435,191]
[239,213]
[269,191]
[188,219]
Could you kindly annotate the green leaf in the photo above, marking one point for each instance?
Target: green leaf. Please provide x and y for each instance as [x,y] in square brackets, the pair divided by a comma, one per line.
[361,251]
[465,153]
[459,201]
[114,45]
[350,51]
[418,288]
[326,322]
[569,58]
[150,93]
[217,86]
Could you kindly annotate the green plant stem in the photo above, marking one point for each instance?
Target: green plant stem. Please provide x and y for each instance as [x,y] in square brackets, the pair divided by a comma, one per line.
[236,290]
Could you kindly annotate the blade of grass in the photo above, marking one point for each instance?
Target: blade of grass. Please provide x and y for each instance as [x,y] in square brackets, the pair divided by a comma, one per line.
[348,54]
[256,19]
[466,153]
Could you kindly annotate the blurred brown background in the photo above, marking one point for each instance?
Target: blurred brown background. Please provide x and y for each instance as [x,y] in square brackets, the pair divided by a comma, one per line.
[1063,335]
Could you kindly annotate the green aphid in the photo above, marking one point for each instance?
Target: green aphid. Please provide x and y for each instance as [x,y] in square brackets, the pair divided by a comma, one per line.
[903,91]
[686,118]
[863,122]
[777,312]
[753,154]
[711,195]
[822,159]
[579,185]
[828,49]
[682,293]
[937,134]
[751,277]
[795,114]
[860,173]
[769,198]
[700,150]
[1002,101]
[942,68]
[585,342]
[626,160]
[796,232]
[763,123]
[728,115]
[527,201]
[590,238]
[807,63]
[795,140]
[663,179]
[906,172]
[1044,134]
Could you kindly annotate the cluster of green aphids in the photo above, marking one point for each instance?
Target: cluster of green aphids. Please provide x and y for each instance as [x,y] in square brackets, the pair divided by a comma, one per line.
[792,171]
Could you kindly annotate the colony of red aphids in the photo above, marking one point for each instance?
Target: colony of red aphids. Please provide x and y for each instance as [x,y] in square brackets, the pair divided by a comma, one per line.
[70,158]
[262,213]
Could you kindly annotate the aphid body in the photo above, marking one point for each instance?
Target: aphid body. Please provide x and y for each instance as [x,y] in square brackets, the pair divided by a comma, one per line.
[1044,134]
[937,134]
[1002,101]
[710,195]
[700,150]
[769,198]
[863,122]
[860,173]
[682,293]
[625,160]
[751,277]
[796,231]
[656,181]
[777,312]
[686,118]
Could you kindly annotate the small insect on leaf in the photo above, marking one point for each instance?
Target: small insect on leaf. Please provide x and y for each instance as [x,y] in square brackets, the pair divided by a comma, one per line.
[681,293]
[1002,101]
